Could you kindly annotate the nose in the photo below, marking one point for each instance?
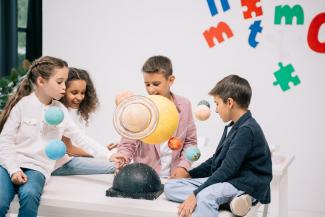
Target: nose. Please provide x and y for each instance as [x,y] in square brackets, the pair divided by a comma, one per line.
[79,97]
[151,89]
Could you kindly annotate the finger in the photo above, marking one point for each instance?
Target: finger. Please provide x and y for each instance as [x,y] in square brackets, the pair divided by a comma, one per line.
[180,208]
[183,213]
[14,179]
[112,146]
[20,179]
[24,178]
[189,212]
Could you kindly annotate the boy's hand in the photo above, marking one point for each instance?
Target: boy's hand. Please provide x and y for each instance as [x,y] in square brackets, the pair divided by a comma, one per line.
[19,178]
[119,159]
[180,172]
[187,207]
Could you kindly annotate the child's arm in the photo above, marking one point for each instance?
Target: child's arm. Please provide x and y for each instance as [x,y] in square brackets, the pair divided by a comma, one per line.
[72,131]
[239,147]
[203,170]
[190,139]
[73,150]
[127,148]
[8,155]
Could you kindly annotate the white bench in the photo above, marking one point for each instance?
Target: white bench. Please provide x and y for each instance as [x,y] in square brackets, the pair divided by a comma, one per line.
[84,196]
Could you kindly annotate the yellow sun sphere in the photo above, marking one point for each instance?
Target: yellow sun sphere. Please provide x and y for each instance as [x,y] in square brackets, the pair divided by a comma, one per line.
[167,122]
[152,119]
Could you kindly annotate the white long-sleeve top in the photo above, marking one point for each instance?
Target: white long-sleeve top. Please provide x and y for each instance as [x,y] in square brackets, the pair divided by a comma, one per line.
[25,135]
[82,126]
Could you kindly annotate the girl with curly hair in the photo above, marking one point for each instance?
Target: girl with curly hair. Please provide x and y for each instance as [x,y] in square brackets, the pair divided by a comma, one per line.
[81,100]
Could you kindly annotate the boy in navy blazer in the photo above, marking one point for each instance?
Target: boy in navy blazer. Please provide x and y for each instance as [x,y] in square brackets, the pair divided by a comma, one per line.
[240,165]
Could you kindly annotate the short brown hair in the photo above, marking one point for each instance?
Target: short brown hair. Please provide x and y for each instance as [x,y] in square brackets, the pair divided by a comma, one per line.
[234,87]
[158,64]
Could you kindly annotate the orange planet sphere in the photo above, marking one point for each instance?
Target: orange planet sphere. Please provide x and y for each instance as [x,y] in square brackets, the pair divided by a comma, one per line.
[174,143]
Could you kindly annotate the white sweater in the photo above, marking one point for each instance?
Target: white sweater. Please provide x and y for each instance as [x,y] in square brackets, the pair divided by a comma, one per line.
[25,135]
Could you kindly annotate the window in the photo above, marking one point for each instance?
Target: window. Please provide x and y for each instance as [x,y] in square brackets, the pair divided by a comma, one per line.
[20,32]
[22,7]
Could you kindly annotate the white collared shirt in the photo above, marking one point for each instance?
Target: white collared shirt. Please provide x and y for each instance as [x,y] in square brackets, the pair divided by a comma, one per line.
[25,135]
[165,159]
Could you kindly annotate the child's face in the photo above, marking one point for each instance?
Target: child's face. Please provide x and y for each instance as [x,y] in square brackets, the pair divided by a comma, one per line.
[75,93]
[158,84]
[55,86]
[223,109]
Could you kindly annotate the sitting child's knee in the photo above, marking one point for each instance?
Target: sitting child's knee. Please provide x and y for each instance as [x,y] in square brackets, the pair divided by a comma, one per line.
[167,189]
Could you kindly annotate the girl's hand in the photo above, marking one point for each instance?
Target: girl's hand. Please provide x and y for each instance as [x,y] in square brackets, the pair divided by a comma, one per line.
[180,172]
[19,178]
[187,207]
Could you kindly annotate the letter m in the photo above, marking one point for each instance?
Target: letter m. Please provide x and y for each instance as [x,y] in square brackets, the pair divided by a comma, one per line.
[217,32]
[288,12]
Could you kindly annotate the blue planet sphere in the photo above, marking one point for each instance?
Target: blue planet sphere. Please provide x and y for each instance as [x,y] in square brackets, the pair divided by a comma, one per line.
[192,153]
[54,116]
[55,149]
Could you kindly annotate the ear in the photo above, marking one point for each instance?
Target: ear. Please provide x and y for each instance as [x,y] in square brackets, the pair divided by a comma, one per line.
[40,81]
[171,80]
[230,102]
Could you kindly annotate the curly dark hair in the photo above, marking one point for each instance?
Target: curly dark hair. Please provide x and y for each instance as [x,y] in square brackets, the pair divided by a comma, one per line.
[90,102]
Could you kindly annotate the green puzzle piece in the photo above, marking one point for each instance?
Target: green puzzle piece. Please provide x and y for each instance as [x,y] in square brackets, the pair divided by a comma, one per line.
[284,77]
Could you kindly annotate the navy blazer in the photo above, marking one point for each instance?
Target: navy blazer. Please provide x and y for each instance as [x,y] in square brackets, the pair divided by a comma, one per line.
[242,159]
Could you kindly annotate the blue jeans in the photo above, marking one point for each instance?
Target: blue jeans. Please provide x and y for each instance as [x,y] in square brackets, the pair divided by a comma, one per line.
[208,200]
[29,194]
[85,166]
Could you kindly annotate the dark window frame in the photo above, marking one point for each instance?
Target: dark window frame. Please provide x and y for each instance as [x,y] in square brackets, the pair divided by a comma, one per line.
[9,31]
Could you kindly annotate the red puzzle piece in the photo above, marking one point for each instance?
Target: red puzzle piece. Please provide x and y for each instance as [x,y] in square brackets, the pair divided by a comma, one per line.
[252,7]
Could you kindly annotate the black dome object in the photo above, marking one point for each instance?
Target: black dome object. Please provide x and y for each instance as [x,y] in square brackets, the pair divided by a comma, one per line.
[138,181]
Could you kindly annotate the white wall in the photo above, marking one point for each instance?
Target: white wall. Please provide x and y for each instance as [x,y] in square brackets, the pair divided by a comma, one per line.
[112,39]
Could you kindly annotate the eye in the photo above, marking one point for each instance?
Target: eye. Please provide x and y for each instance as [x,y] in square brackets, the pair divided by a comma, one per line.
[156,84]
[74,92]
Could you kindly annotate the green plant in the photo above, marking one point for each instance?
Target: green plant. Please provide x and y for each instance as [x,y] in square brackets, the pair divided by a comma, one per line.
[9,82]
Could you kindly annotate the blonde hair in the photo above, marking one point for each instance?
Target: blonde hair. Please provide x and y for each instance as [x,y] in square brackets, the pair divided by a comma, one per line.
[41,67]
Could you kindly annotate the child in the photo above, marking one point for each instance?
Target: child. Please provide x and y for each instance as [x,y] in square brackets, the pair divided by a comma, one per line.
[24,166]
[81,100]
[241,163]
[158,79]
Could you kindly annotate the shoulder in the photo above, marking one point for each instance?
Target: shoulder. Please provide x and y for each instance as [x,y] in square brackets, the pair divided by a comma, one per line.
[25,100]
[26,103]
[250,126]
[181,101]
